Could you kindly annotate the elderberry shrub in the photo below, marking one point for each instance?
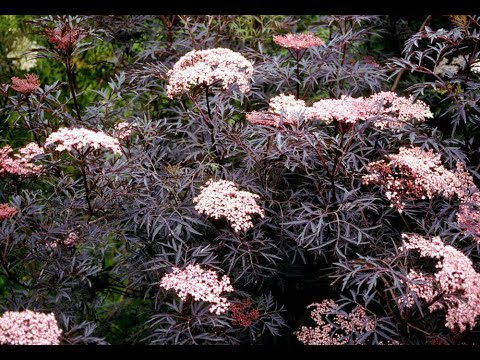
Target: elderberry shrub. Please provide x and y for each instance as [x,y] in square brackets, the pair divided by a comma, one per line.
[241,180]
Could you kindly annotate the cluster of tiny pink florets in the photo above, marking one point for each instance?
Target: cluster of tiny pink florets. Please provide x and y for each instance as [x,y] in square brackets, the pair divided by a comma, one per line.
[414,174]
[21,163]
[282,109]
[123,130]
[80,139]
[468,215]
[455,283]
[298,42]
[7,211]
[70,240]
[201,285]
[209,67]
[244,314]
[333,327]
[26,85]
[222,198]
[387,108]
[390,110]
[63,38]
[29,328]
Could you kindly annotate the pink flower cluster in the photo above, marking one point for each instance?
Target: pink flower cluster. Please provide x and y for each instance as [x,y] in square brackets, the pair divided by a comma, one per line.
[209,67]
[414,174]
[123,130]
[282,109]
[201,284]
[222,198]
[298,42]
[7,211]
[27,85]
[392,110]
[79,138]
[288,105]
[243,314]
[346,109]
[29,328]
[21,163]
[468,215]
[334,328]
[455,282]
[71,239]
[63,38]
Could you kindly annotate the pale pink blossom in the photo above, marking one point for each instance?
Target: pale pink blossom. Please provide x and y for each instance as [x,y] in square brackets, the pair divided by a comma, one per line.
[63,38]
[223,199]
[346,109]
[397,110]
[123,130]
[207,68]
[282,109]
[7,211]
[201,285]
[29,328]
[298,42]
[390,110]
[81,139]
[263,118]
[30,151]
[455,283]
[288,107]
[20,164]
[27,85]
[415,174]
[71,239]
[468,215]
[332,327]
[386,109]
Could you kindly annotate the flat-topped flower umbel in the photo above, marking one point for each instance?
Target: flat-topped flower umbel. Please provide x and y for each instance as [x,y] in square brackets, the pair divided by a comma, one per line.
[29,328]
[455,283]
[386,108]
[26,85]
[80,138]
[21,163]
[222,198]
[338,333]
[207,68]
[7,211]
[298,42]
[415,174]
[283,109]
[201,284]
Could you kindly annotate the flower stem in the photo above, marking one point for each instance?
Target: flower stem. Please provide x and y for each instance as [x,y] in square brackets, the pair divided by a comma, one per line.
[297,59]
[29,121]
[71,84]
[87,193]
[210,124]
